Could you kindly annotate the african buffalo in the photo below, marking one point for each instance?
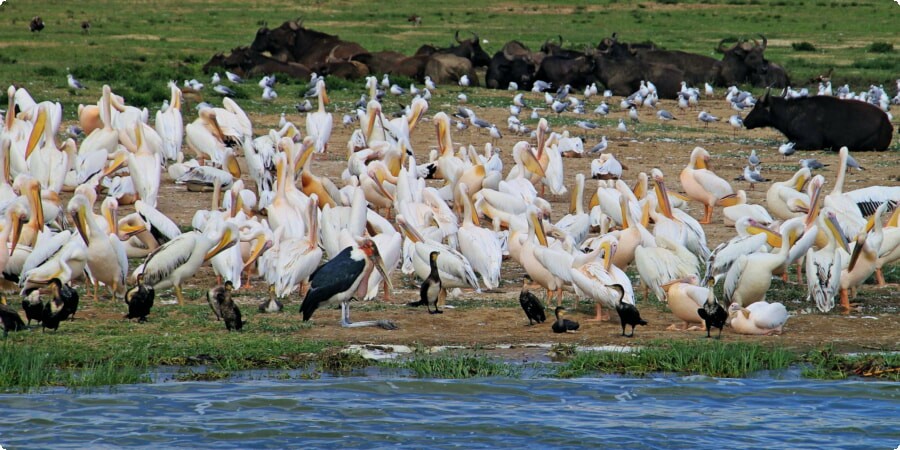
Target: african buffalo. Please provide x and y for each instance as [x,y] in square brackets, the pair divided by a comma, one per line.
[551,49]
[745,62]
[697,68]
[560,71]
[821,122]
[510,66]
[447,68]
[292,42]
[469,49]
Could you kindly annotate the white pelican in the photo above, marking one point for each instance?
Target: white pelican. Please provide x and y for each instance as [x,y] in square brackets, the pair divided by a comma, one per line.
[702,185]
[49,164]
[455,269]
[180,258]
[750,276]
[105,138]
[851,208]
[758,318]
[144,165]
[106,254]
[597,279]
[576,224]
[170,124]
[527,257]
[862,262]
[665,262]
[675,224]
[59,256]
[479,245]
[751,238]
[318,124]
[205,137]
[741,208]
[823,266]
[293,259]
[783,198]
[685,298]
[890,246]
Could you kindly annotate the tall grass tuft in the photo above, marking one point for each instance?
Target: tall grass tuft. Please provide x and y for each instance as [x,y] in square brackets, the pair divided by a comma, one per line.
[713,358]
[456,366]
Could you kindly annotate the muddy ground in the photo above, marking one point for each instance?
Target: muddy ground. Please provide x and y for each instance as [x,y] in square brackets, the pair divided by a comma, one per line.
[495,317]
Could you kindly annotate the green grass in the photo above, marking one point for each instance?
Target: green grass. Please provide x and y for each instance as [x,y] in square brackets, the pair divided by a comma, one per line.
[137,48]
[707,357]
[456,366]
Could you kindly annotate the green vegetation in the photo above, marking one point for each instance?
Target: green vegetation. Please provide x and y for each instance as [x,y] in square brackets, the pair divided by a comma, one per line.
[138,48]
[713,358]
[803,46]
[457,365]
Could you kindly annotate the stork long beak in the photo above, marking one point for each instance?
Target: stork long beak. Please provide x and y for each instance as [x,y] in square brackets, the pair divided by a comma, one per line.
[260,248]
[379,265]
[36,132]
[225,242]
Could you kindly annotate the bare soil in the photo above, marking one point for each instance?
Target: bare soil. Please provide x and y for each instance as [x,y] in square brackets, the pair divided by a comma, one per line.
[495,317]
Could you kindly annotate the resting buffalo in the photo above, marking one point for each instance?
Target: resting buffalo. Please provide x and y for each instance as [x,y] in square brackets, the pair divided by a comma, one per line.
[469,49]
[506,68]
[447,68]
[745,62]
[560,71]
[823,122]
[292,42]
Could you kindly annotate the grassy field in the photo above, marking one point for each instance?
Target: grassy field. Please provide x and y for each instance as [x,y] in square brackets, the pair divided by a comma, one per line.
[136,46]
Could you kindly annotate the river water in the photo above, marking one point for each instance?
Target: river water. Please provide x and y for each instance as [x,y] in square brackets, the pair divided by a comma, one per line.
[381,410]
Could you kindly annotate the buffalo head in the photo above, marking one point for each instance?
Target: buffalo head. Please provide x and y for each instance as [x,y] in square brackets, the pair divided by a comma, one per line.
[761,115]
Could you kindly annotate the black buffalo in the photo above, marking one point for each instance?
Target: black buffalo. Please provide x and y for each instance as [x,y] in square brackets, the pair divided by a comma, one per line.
[822,122]
[506,68]
[745,62]
[469,49]
[560,71]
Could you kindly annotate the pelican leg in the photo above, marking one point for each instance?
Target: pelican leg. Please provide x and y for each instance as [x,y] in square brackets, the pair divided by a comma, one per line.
[707,214]
[600,317]
[559,297]
[799,274]
[96,286]
[879,278]
[179,295]
[387,292]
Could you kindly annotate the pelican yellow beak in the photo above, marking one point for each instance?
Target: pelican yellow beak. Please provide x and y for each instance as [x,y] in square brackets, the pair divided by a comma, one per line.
[857,251]
[34,189]
[418,109]
[801,182]
[81,223]
[378,176]
[128,230]
[815,204]
[36,132]
[231,164]
[835,228]
[325,99]
[225,242]
[538,225]
[261,246]
[308,148]
[531,162]
[18,223]
[119,159]
[609,249]
[773,238]
[662,197]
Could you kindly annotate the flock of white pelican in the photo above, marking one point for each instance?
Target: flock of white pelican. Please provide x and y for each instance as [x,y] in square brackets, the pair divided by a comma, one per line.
[278,220]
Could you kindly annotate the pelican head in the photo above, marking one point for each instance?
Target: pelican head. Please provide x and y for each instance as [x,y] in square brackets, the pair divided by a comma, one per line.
[227,239]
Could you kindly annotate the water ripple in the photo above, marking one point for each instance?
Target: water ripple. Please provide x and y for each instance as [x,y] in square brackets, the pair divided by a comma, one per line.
[373,411]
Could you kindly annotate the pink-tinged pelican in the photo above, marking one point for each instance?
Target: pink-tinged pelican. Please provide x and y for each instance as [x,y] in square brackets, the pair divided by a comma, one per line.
[318,124]
[702,185]
[786,199]
[144,165]
[750,277]
[343,278]
[758,318]
[106,254]
[479,245]
[179,259]
[863,260]
[104,138]
[294,258]
[685,298]
[596,280]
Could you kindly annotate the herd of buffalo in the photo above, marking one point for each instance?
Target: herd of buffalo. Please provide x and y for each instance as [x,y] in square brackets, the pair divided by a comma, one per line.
[297,51]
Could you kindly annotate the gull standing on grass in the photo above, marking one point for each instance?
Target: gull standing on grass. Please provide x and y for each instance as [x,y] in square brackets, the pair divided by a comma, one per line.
[73,83]
[735,122]
[601,146]
[786,149]
[664,115]
[233,77]
[706,118]
[464,81]
[622,128]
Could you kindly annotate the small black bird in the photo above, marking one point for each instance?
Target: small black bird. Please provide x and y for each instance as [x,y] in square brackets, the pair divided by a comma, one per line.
[36,24]
[713,313]
[563,325]
[139,299]
[10,318]
[85,26]
[33,306]
[66,296]
[54,313]
[212,297]
[272,304]
[532,307]
[432,290]
[230,312]
[628,313]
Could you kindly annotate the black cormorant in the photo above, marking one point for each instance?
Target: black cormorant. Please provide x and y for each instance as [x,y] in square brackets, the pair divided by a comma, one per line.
[563,325]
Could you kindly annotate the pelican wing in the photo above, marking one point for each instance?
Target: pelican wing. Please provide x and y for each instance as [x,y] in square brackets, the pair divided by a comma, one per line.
[164,260]
[712,183]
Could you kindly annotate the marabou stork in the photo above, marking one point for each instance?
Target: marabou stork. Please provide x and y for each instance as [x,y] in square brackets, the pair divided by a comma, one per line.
[344,278]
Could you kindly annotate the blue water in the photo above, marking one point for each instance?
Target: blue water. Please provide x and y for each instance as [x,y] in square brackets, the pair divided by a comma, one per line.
[378,411]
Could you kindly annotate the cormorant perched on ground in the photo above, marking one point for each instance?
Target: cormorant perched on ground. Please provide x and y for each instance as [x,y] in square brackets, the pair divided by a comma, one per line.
[66,296]
[272,304]
[563,325]
[212,297]
[713,314]
[230,312]
[33,306]
[10,318]
[431,290]
[532,306]
[628,313]
[139,299]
